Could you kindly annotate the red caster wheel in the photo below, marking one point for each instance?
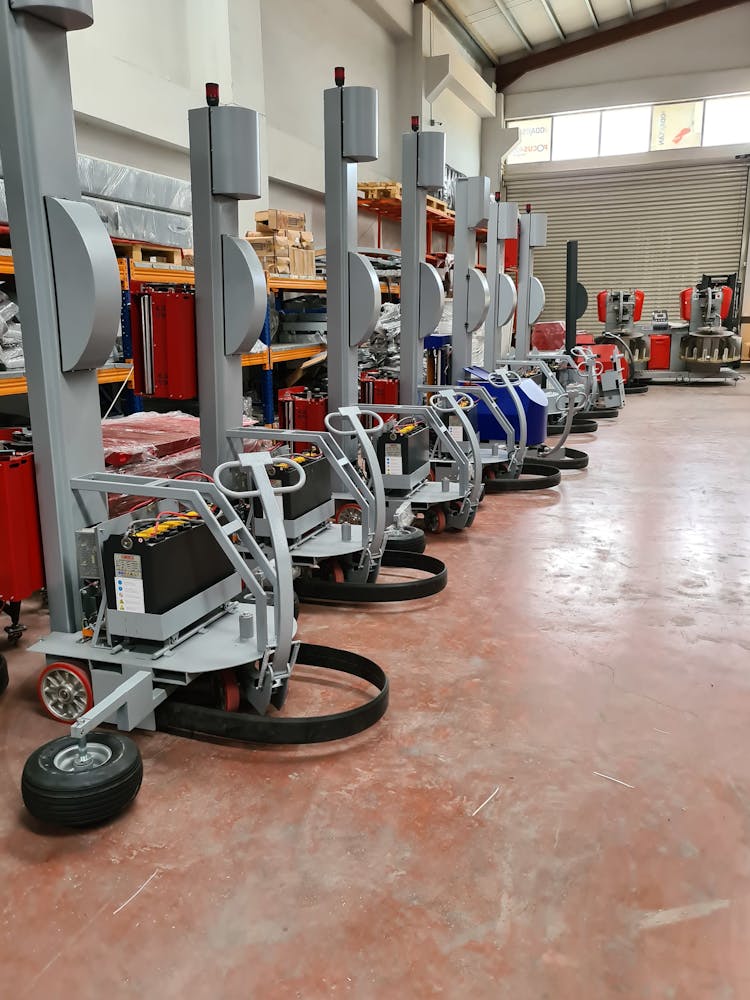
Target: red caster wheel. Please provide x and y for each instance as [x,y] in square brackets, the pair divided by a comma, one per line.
[436,521]
[227,691]
[65,691]
[349,513]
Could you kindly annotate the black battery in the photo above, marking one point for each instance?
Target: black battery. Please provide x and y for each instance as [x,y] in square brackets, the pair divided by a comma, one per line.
[403,450]
[316,491]
[453,422]
[156,573]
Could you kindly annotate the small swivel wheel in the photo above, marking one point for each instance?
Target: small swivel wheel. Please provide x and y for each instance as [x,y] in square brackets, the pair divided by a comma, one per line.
[65,785]
[405,539]
[65,691]
[336,571]
[435,520]
[349,513]
[226,690]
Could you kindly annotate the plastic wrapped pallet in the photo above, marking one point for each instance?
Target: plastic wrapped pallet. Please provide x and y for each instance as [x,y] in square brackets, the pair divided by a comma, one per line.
[146,436]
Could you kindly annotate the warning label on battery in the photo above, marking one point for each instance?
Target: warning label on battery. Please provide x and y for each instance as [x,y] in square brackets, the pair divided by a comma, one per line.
[456,429]
[129,583]
[394,465]
[129,566]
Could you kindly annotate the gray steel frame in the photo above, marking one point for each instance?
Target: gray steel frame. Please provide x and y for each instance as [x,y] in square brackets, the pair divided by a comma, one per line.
[39,161]
[371,500]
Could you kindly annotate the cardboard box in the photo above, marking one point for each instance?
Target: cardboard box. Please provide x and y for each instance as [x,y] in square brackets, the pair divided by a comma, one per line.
[307,239]
[282,265]
[262,245]
[303,262]
[273,219]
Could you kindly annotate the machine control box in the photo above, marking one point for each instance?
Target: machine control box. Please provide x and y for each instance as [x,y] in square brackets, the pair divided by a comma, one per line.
[403,449]
[153,570]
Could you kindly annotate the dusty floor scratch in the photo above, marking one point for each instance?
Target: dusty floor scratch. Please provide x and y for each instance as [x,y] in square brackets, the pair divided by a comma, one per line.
[678,914]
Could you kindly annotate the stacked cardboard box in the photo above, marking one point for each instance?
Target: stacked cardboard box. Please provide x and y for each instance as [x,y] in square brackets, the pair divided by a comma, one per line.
[282,243]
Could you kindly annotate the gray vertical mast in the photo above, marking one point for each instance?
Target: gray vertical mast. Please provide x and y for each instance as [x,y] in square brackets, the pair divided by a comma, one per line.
[353,290]
[66,275]
[230,287]
[423,169]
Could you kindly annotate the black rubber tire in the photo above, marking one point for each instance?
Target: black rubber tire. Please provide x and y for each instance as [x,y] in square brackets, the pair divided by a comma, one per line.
[572,459]
[3,673]
[410,539]
[603,413]
[82,798]
[585,426]
[633,390]
[546,477]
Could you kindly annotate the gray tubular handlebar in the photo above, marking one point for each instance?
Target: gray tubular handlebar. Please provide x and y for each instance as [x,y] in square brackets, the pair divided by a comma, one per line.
[248,494]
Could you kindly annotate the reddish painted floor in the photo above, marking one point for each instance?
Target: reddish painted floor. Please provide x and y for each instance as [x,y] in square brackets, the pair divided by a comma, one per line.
[557,804]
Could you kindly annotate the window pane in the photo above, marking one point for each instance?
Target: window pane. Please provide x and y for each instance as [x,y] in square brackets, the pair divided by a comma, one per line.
[625,130]
[576,136]
[676,126]
[727,121]
[534,136]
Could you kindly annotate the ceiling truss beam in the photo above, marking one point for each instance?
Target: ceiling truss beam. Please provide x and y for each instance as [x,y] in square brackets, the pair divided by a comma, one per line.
[509,72]
[514,26]
[553,19]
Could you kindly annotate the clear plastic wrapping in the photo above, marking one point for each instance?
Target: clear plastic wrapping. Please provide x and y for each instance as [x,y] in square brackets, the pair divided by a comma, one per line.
[143,437]
[130,185]
[167,466]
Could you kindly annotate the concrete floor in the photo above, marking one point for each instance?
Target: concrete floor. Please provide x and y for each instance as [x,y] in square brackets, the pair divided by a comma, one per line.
[557,804]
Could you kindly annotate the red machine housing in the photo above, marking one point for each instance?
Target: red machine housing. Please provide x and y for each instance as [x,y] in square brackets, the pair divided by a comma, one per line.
[378,390]
[603,297]
[164,350]
[686,301]
[604,353]
[302,410]
[661,345]
[21,562]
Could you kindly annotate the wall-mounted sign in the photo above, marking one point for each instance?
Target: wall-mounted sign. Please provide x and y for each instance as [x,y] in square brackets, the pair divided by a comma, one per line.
[676,126]
[534,141]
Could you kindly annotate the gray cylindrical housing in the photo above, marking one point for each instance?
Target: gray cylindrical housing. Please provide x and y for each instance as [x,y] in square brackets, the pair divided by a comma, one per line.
[235,152]
[360,124]
[431,160]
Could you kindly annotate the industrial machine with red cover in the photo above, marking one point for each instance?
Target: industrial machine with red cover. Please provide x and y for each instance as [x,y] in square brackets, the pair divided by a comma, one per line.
[21,565]
[164,351]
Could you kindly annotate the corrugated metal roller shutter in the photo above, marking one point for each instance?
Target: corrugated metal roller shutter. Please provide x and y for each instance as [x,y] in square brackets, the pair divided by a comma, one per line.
[653,228]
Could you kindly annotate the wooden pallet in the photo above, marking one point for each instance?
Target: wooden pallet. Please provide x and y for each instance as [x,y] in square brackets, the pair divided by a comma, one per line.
[437,205]
[140,252]
[379,189]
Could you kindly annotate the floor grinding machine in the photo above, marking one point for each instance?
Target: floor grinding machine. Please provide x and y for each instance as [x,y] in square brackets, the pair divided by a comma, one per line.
[526,388]
[620,311]
[511,412]
[402,444]
[443,482]
[151,611]
[332,560]
[698,348]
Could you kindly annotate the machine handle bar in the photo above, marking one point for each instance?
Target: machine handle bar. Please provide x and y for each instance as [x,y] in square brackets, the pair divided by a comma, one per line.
[247,494]
[342,432]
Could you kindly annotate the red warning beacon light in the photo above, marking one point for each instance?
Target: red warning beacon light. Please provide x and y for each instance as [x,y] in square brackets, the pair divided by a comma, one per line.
[212,94]
[339,76]
[415,123]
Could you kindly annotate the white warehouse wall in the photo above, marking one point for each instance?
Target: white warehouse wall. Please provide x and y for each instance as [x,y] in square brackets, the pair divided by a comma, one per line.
[136,73]
[700,58]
